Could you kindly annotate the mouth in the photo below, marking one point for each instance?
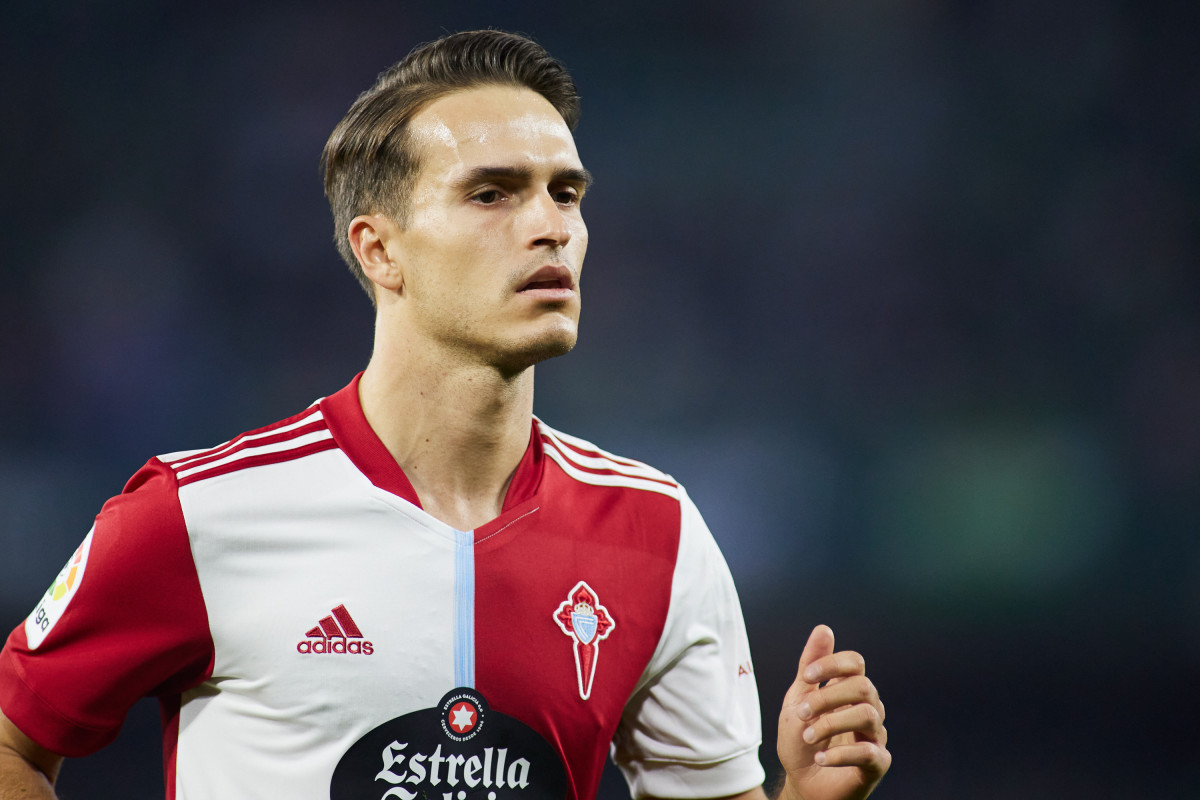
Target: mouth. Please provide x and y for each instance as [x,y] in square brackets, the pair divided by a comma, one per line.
[555,279]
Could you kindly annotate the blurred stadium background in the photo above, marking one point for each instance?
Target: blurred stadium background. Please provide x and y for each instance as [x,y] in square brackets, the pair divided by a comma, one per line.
[908,294]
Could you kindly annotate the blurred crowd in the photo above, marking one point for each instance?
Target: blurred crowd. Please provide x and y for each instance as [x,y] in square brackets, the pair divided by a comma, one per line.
[908,295]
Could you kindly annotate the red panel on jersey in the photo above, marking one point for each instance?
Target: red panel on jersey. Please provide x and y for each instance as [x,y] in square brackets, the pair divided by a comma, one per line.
[523,576]
[137,626]
[354,435]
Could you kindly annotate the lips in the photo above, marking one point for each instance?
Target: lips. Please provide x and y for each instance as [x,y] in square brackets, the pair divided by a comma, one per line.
[544,285]
[551,277]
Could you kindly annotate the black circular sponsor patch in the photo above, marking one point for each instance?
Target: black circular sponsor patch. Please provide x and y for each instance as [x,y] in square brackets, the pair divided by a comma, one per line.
[458,750]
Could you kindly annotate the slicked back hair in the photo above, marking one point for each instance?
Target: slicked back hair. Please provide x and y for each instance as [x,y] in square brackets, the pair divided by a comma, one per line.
[370,164]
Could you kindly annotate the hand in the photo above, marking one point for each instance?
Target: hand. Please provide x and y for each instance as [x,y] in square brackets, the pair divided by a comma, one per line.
[832,742]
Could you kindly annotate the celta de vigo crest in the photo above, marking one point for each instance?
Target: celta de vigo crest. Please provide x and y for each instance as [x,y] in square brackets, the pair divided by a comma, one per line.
[588,623]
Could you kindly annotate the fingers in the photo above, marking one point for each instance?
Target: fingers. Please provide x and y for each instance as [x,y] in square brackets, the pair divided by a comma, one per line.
[832,717]
[848,692]
[819,645]
[863,719]
[835,665]
[850,735]
[874,759]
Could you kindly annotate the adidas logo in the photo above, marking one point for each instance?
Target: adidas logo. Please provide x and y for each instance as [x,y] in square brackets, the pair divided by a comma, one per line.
[336,633]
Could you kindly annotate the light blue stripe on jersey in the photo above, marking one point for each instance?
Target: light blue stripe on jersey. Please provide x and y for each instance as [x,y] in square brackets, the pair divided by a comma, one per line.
[464,608]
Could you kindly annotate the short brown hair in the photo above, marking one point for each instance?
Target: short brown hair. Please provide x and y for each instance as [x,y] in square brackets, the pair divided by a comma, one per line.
[369,163]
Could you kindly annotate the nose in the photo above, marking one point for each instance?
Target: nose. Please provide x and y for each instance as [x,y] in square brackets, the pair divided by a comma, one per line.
[549,224]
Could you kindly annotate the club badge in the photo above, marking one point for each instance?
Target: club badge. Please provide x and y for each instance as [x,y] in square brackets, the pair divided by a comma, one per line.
[587,622]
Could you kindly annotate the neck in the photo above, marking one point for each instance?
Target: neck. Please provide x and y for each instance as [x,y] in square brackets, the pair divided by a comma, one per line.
[458,430]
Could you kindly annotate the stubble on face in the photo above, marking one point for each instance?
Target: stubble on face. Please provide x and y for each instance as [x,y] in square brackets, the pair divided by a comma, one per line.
[556,340]
[463,336]
[456,250]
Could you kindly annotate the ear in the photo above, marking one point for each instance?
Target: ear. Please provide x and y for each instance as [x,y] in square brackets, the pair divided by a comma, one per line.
[369,237]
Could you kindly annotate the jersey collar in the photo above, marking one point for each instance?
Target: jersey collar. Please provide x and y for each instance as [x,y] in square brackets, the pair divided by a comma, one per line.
[354,435]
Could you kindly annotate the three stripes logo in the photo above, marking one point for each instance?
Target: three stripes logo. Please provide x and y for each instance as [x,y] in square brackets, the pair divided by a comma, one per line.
[336,633]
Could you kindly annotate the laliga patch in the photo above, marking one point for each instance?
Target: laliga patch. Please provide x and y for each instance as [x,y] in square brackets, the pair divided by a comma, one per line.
[54,603]
[458,750]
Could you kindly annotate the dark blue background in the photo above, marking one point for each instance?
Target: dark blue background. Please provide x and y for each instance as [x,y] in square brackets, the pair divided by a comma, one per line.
[907,294]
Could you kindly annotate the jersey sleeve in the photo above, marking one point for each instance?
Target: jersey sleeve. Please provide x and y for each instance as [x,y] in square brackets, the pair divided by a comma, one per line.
[124,619]
[692,728]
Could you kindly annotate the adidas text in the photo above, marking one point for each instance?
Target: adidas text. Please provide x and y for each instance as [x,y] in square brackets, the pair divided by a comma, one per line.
[339,645]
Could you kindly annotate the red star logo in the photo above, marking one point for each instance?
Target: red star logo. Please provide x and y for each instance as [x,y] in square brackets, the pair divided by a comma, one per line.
[463,716]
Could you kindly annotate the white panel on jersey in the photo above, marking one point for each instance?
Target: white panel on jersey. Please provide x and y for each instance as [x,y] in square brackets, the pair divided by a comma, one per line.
[305,566]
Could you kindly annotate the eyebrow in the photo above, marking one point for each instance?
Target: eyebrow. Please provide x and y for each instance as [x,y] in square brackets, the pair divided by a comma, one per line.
[478,175]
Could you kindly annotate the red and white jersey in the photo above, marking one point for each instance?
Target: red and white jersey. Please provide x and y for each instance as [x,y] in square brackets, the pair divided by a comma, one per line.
[311,632]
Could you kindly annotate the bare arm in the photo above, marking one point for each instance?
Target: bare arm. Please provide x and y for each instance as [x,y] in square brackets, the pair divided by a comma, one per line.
[27,770]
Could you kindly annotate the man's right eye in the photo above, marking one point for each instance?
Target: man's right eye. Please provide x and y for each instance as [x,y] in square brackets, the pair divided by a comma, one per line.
[488,197]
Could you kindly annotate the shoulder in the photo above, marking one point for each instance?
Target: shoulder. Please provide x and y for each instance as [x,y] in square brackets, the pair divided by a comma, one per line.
[588,464]
[155,487]
[657,501]
[293,437]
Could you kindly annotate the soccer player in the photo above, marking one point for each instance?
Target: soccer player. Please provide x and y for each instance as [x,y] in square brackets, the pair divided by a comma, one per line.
[415,588]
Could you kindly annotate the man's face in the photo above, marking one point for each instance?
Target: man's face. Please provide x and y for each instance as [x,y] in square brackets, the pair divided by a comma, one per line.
[494,241]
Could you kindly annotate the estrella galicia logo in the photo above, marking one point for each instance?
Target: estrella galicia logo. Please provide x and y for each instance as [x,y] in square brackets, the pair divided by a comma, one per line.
[458,750]
[462,715]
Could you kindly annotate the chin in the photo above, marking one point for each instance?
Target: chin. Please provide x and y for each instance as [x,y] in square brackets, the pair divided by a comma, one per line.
[523,355]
